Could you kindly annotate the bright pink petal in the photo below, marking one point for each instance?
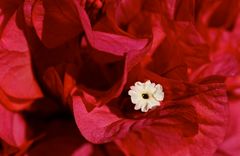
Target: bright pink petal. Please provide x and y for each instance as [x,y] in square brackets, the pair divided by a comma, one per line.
[111,43]
[125,11]
[222,64]
[102,128]
[13,127]
[15,60]
[231,143]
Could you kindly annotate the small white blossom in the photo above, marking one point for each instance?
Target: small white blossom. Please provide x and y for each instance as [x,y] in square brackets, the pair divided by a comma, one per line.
[146,95]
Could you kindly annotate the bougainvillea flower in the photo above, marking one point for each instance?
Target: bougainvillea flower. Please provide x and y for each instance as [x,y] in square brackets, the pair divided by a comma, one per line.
[118,122]
[180,122]
[119,77]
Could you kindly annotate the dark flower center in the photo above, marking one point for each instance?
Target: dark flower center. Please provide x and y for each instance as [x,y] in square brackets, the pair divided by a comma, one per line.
[145,95]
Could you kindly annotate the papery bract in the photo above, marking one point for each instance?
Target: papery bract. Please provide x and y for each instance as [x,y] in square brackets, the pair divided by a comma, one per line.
[16,87]
[86,54]
[178,113]
[51,19]
[13,127]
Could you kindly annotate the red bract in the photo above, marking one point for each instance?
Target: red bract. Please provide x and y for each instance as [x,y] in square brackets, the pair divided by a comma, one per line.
[230,145]
[221,29]
[226,65]
[107,53]
[55,22]
[18,87]
[63,138]
[179,126]
[85,55]
[13,127]
[218,13]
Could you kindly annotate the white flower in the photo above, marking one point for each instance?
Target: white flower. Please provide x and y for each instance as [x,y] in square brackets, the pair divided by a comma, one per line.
[146,95]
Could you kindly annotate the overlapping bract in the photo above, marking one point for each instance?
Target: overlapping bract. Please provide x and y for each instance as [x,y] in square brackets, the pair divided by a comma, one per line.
[64,61]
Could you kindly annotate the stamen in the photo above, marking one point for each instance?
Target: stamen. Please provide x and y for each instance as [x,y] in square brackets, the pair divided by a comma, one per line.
[145,96]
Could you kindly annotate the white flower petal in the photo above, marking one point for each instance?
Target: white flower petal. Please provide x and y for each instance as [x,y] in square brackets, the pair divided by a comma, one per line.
[132,92]
[138,84]
[137,107]
[152,102]
[136,99]
[150,88]
[144,108]
[159,96]
[147,83]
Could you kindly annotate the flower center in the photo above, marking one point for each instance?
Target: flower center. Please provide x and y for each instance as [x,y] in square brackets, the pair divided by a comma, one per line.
[145,95]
